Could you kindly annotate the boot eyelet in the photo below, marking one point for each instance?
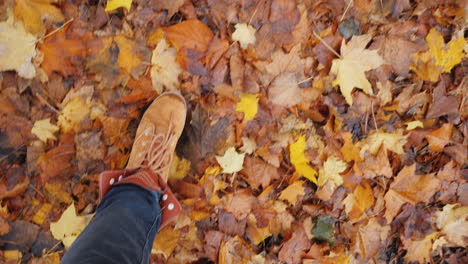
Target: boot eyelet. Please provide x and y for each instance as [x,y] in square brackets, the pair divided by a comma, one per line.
[120,177]
[164,197]
[170,206]
[112,181]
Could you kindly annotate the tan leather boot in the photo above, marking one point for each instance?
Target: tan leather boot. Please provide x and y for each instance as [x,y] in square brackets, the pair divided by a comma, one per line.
[152,152]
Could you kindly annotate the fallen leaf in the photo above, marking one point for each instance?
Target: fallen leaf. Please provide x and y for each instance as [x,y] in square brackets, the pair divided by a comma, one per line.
[293,192]
[248,145]
[17,49]
[414,124]
[370,237]
[72,114]
[166,241]
[350,150]
[259,173]
[324,229]
[172,6]
[439,58]
[165,70]
[409,187]
[284,90]
[248,105]
[300,162]
[359,201]
[131,55]
[391,141]
[4,227]
[419,250]
[331,170]
[438,138]
[452,221]
[41,215]
[44,130]
[114,4]
[245,34]
[293,250]
[33,12]
[231,161]
[179,168]
[69,226]
[62,52]
[240,204]
[350,69]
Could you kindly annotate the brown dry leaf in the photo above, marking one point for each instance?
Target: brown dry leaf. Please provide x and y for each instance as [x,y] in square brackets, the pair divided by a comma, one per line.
[34,12]
[370,237]
[63,53]
[440,137]
[419,250]
[4,227]
[293,192]
[259,173]
[295,247]
[172,6]
[57,161]
[234,250]
[240,203]
[397,52]
[284,90]
[255,233]
[188,35]
[350,69]
[409,187]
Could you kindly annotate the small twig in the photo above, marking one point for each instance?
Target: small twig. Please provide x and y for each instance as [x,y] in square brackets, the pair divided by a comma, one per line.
[253,15]
[35,189]
[44,101]
[305,80]
[326,44]
[373,115]
[346,10]
[233,177]
[57,29]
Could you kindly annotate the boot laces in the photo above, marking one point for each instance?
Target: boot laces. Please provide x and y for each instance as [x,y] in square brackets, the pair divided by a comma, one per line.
[159,156]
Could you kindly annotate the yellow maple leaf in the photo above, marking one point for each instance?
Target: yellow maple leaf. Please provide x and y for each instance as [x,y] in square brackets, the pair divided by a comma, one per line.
[114,4]
[248,105]
[231,161]
[439,58]
[165,69]
[331,170]
[69,226]
[351,67]
[17,49]
[391,141]
[245,34]
[292,192]
[166,241]
[300,162]
[129,53]
[44,130]
[73,113]
[32,13]
[179,168]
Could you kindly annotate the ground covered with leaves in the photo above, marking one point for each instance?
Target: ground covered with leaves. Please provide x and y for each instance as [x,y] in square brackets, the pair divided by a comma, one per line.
[329,131]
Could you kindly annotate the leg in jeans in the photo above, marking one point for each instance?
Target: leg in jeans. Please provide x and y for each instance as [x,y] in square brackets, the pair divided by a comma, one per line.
[123,229]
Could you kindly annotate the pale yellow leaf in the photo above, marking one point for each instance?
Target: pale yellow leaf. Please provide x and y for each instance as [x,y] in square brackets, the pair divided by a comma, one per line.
[231,161]
[248,145]
[17,49]
[331,170]
[414,124]
[452,221]
[351,67]
[73,113]
[248,105]
[391,141]
[165,69]
[179,168]
[69,226]
[44,130]
[245,34]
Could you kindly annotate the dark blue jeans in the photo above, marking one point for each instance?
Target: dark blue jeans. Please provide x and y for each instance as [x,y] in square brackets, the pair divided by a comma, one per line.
[123,229]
